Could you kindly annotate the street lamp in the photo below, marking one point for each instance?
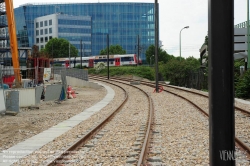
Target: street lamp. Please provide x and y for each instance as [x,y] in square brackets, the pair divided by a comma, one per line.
[150,59]
[186,27]
[69,57]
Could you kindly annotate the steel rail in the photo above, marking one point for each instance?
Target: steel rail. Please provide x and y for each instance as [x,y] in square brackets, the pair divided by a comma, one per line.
[87,136]
[145,146]
[237,140]
[186,90]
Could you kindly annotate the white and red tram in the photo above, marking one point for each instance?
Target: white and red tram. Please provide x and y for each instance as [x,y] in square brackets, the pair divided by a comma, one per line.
[114,60]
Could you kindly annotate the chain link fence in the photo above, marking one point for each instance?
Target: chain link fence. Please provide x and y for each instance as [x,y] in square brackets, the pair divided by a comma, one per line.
[72,72]
[197,80]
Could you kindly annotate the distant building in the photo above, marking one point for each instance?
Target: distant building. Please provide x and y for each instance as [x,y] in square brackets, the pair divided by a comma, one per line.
[122,21]
[240,44]
[71,28]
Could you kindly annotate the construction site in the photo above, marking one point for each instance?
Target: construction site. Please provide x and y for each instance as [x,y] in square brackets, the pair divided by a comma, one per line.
[25,74]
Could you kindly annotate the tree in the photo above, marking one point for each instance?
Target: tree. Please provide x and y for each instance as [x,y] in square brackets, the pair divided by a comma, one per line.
[177,71]
[163,55]
[113,49]
[206,40]
[58,48]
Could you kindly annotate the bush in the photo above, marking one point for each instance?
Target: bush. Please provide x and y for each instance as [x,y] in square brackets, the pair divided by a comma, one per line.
[242,88]
[140,71]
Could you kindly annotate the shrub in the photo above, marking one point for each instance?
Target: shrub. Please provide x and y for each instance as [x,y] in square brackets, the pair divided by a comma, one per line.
[242,88]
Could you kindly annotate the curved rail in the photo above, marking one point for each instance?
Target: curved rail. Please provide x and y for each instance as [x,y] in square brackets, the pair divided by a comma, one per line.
[144,151]
[87,136]
[237,140]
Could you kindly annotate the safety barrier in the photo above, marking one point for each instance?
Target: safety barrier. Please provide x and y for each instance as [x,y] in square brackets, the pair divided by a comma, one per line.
[81,83]
[2,103]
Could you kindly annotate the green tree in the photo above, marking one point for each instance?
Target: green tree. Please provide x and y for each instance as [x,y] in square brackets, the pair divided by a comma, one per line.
[163,55]
[243,86]
[59,47]
[206,40]
[113,49]
[177,71]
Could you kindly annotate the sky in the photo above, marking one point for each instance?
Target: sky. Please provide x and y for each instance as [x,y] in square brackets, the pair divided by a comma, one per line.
[173,16]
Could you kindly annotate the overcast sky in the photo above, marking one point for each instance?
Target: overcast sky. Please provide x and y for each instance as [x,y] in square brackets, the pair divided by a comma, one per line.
[174,15]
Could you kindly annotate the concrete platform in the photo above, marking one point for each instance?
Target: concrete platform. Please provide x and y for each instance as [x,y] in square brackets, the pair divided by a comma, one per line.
[22,149]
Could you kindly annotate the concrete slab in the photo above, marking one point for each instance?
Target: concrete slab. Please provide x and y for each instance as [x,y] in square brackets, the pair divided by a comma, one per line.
[242,101]
[2,103]
[36,142]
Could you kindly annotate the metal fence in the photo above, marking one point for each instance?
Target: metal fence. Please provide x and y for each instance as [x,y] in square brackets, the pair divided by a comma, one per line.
[7,74]
[72,72]
[197,80]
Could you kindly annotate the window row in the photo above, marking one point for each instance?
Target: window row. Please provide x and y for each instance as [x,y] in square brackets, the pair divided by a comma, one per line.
[73,30]
[46,39]
[74,22]
[43,30]
[45,23]
[75,38]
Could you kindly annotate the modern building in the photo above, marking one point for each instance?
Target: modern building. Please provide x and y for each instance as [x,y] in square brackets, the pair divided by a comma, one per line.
[122,21]
[71,28]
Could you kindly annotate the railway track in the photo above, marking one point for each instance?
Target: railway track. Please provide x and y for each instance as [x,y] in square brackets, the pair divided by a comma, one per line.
[242,139]
[140,148]
[146,140]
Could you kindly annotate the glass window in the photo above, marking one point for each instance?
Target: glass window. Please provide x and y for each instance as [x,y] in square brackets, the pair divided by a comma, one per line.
[46,31]
[46,23]
[37,25]
[42,46]
[41,31]
[50,22]
[37,32]
[41,40]
[41,24]
[50,30]
[37,40]
[46,39]
[50,37]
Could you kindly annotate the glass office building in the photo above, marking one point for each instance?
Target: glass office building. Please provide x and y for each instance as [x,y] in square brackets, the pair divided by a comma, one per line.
[122,21]
[71,28]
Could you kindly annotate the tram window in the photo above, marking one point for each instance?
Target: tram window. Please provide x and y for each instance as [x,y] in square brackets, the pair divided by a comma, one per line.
[127,59]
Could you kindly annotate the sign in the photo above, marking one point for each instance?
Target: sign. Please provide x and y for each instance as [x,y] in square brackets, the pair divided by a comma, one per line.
[46,73]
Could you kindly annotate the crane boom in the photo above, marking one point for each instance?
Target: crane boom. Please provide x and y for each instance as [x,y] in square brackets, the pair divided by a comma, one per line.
[13,40]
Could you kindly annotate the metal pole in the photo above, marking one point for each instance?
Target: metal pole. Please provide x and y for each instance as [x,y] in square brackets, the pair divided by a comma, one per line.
[180,43]
[83,48]
[108,53]
[69,56]
[138,49]
[52,51]
[156,45]
[221,82]
[180,39]
[81,54]
[248,40]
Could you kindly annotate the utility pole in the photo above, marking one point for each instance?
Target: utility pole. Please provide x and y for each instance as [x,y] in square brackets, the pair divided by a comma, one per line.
[81,53]
[248,40]
[69,56]
[108,53]
[138,49]
[156,45]
[221,83]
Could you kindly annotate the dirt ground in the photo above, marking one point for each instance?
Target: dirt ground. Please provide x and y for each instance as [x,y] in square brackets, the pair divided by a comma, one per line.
[29,122]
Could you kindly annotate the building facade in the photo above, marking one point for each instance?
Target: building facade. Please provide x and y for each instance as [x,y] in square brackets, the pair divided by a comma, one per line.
[122,21]
[71,28]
